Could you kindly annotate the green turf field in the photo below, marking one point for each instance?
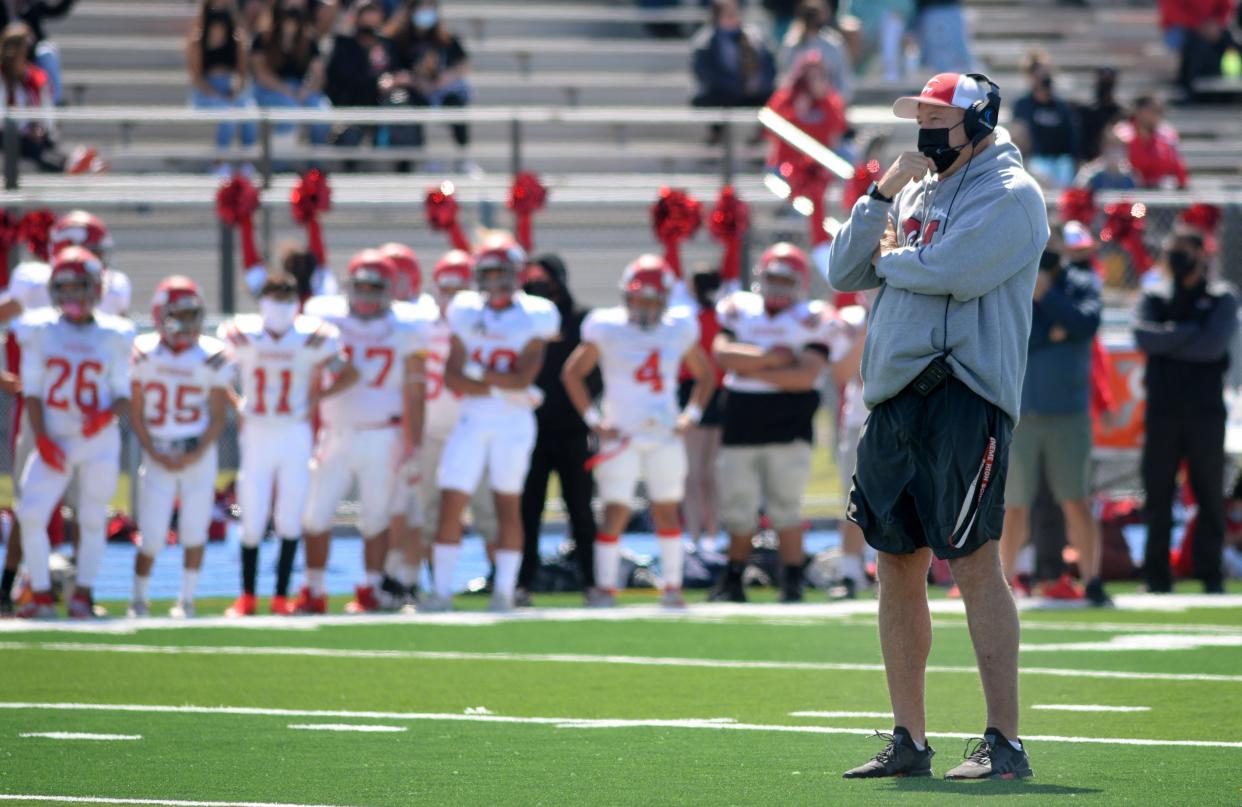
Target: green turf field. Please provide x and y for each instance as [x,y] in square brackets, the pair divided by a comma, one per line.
[560,706]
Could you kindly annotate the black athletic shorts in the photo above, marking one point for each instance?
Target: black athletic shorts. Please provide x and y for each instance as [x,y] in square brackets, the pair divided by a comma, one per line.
[931,472]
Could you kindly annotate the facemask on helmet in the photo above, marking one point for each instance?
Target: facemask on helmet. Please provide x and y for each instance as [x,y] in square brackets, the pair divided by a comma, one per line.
[369,294]
[496,280]
[181,321]
[74,295]
[779,285]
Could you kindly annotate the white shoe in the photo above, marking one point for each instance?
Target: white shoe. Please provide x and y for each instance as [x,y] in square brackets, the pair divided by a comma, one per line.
[182,610]
[435,604]
[600,598]
[499,603]
[139,608]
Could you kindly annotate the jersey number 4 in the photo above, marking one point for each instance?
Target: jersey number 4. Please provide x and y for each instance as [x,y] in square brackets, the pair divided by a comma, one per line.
[85,388]
[649,372]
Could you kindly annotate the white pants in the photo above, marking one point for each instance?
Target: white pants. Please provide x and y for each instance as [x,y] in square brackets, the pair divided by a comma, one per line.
[420,502]
[158,491]
[273,455]
[97,461]
[502,446]
[661,464]
[369,456]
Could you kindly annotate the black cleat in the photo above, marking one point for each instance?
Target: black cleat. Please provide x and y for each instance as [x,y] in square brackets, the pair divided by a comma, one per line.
[730,588]
[847,589]
[899,758]
[992,757]
[791,584]
[1096,595]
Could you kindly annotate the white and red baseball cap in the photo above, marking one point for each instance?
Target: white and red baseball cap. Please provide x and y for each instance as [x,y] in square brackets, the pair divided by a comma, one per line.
[943,89]
[1076,236]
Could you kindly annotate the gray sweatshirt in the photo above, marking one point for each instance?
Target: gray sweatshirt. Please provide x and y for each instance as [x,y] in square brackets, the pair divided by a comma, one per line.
[973,266]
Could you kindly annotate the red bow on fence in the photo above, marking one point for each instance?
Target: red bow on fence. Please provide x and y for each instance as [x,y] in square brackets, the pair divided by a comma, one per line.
[441,209]
[675,216]
[310,197]
[727,224]
[525,197]
[36,231]
[1124,227]
[1204,218]
[1077,204]
[236,203]
[10,235]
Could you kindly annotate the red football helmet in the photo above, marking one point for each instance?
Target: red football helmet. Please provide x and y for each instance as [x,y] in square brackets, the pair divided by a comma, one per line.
[372,279]
[178,311]
[409,278]
[783,275]
[76,283]
[497,262]
[645,286]
[454,271]
[82,229]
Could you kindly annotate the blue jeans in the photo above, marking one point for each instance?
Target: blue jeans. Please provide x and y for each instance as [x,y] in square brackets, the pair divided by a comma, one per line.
[943,42]
[47,57]
[288,100]
[225,132]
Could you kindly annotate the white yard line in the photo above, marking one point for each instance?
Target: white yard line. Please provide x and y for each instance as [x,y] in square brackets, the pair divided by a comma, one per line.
[79,735]
[879,715]
[162,802]
[1087,707]
[708,724]
[347,727]
[573,658]
[1143,642]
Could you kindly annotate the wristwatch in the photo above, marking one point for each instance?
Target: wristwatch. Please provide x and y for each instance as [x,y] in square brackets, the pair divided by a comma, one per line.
[874,193]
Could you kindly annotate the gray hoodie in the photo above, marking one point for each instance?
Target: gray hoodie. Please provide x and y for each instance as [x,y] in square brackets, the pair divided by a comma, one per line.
[973,266]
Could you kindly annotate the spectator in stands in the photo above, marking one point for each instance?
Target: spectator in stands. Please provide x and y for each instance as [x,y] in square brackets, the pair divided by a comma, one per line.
[46,54]
[1055,426]
[1203,57]
[1111,170]
[884,24]
[1177,17]
[810,32]
[806,99]
[1101,114]
[1047,125]
[732,65]
[434,69]
[253,12]
[782,13]
[561,440]
[27,87]
[215,57]
[1185,327]
[359,60]
[324,15]
[944,41]
[288,69]
[1152,145]
[701,502]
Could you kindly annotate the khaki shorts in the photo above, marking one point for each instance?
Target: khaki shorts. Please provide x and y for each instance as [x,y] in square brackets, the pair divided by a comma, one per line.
[1063,442]
[482,505]
[773,475]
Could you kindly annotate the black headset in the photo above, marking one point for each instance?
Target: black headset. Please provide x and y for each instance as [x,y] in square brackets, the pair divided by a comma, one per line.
[981,116]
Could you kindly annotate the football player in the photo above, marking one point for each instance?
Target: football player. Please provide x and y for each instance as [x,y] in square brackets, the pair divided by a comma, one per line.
[497,337]
[280,357]
[372,431]
[181,382]
[75,378]
[639,348]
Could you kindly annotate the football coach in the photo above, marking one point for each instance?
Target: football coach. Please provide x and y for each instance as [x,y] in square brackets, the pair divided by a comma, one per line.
[951,235]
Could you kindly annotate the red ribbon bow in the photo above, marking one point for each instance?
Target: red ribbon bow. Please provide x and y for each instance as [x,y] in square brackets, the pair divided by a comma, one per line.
[1077,204]
[526,196]
[10,235]
[1204,218]
[236,203]
[727,224]
[675,216]
[35,230]
[1124,227]
[310,197]
[441,209]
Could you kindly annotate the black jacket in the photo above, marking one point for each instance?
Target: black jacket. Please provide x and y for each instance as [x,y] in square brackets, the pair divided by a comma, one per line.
[1186,334]
[354,71]
[33,12]
[557,417]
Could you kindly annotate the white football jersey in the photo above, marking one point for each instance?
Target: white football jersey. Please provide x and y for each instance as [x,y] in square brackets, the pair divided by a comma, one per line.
[277,371]
[73,369]
[28,285]
[378,348]
[443,405]
[639,367]
[495,339]
[176,385]
[807,323]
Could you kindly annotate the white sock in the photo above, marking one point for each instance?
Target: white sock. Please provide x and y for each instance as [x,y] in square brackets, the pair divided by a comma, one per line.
[1017,746]
[607,562]
[189,583]
[141,586]
[408,574]
[507,563]
[672,556]
[375,580]
[393,562]
[852,568]
[315,582]
[918,744]
[444,564]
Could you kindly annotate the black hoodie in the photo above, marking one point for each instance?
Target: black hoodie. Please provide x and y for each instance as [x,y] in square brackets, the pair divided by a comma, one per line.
[557,416]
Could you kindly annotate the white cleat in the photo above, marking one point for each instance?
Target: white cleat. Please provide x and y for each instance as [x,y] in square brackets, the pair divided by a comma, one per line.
[138,609]
[435,604]
[182,610]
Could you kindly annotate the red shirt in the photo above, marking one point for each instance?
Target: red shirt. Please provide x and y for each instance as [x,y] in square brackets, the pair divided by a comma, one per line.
[1153,156]
[825,122]
[1193,13]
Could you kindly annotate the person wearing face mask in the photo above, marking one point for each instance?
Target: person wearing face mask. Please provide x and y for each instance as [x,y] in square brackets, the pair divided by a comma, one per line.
[281,357]
[288,68]
[1111,170]
[214,57]
[807,99]
[1152,145]
[1185,328]
[639,347]
[952,236]
[773,345]
[1098,116]
[359,62]
[561,439]
[1049,125]
[732,66]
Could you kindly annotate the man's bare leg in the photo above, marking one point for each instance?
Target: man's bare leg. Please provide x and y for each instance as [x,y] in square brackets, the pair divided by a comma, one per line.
[993,621]
[905,636]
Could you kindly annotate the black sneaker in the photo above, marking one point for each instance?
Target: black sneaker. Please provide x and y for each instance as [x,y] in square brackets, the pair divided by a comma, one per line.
[791,584]
[847,589]
[1096,595]
[992,757]
[1213,587]
[730,588]
[899,758]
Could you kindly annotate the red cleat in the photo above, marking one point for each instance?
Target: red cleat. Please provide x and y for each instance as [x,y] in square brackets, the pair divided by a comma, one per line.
[364,601]
[39,606]
[281,606]
[1021,585]
[245,605]
[1063,589]
[307,603]
[81,606]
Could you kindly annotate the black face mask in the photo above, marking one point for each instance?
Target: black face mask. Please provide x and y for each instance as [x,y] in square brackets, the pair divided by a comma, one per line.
[541,288]
[294,14]
[217,16]
[934,145]
[1182,264]
[365,31]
